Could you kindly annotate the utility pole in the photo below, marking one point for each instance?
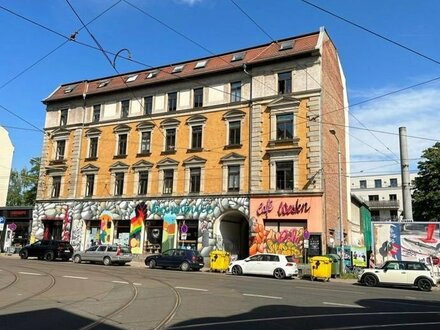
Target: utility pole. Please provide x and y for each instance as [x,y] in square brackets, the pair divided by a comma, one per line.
[406,192]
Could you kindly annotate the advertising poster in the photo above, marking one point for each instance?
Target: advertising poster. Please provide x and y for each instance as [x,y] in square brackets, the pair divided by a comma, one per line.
[416,241]
[359,255]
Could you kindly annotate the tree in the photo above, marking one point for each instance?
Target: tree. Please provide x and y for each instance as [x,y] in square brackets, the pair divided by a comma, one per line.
[426,196]
[22,189]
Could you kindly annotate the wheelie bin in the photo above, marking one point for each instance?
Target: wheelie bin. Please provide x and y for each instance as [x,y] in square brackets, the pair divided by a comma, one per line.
[336,264]
[219,261]
[320,268]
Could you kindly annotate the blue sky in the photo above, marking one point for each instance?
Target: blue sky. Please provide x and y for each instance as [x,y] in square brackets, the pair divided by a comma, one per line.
[373,66]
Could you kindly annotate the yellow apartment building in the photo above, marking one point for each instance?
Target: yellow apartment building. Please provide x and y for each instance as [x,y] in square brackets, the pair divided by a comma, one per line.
[237,152]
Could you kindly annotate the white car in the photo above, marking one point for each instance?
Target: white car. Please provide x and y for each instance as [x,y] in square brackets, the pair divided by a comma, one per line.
[277,265]
[400,273]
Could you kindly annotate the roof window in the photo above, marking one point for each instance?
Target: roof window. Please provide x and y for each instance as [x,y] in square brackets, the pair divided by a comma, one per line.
[237,56]
[131,78]
[103,83]
[177,68]
[152,74]
[69,89]
[201,64]
[286,45]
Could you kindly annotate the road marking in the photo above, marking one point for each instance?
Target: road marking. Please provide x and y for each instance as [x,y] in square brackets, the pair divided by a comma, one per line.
[25,273]
[120,282]
[343,305]
[323,289]
[261,296]
[138,284]
[76,277]
[186,288]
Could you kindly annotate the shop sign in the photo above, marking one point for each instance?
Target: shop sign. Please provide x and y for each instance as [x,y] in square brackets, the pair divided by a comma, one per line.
[2,223]
[17,213]
[284,208]
[12,226]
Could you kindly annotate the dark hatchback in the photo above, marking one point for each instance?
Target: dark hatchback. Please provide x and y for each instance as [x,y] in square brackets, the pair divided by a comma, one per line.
[48,250]
[176,258]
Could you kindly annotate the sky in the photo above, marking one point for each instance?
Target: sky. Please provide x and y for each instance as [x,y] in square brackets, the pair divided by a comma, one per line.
[389,52]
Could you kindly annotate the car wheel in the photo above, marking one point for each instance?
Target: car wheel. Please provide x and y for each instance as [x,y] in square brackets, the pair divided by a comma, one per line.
[107,261]
[370,280]
[236,270]
[279,273]
[424,284]
[152,264]
[49,256]
[40,258]
[77,259]
[24,254]
[184,266]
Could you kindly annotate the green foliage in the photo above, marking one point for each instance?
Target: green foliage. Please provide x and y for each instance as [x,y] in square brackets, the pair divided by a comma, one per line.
[23,184]
[426,196]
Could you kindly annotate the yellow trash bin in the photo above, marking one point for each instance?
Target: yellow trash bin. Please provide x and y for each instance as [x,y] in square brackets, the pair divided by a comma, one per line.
[219,261]
[320,268]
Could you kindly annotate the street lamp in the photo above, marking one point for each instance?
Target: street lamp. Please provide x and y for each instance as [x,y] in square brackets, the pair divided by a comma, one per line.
[341,226]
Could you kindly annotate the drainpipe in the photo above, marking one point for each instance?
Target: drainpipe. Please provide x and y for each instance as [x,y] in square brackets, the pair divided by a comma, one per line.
[250,131]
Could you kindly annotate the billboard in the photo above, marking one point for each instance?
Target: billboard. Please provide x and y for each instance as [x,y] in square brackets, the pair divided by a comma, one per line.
[417,241]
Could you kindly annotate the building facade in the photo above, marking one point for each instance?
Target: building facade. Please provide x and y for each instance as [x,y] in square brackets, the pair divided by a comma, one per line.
[230,152]
[5,164]
[382,194]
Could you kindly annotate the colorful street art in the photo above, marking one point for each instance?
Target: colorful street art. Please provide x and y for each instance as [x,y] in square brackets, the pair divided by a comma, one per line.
[169,231]
[136,226]
[106,230]
[418,241]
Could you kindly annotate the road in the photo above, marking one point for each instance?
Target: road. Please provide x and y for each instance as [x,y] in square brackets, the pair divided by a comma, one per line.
[61,295]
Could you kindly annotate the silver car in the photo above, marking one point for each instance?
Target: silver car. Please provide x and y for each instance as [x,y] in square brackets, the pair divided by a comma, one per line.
[106,254]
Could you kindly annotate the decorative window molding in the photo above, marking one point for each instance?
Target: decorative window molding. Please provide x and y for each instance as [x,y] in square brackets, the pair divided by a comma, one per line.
[142,172]
[165,167]
[119,171]
[279,110]
[231,160]
[194,162]
[196,125]
[234,123]
[279,157]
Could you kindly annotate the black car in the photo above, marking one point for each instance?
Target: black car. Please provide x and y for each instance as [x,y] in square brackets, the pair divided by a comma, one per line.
[48,250]
[176,258]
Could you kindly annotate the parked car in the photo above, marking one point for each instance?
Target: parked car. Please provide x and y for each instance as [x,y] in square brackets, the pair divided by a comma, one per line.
[400,273]
[176,258]
[106,254]
[48,250]
[269,264]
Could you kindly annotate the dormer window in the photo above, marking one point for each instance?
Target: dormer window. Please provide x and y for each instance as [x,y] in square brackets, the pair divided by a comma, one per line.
[69,89]
[131,78]
[103,83]
[237,56]
[201,64]
[177,69]
[286,45]
[152,74]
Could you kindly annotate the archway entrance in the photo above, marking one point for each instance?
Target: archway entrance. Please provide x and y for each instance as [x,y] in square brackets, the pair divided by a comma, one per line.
[234,229]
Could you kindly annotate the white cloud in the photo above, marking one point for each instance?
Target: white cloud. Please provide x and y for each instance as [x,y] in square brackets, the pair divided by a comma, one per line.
[418,110]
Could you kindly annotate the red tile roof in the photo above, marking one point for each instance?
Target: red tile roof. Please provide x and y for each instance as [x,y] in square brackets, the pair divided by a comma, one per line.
[218,63]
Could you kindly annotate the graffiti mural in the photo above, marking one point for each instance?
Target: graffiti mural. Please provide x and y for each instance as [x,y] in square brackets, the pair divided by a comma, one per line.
[136,226]
[106,230]
[169,231]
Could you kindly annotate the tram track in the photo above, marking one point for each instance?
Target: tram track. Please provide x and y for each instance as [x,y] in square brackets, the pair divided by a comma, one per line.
[11,283]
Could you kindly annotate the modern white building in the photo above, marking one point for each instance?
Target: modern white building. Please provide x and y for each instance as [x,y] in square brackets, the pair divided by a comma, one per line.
[5,164]
[382,193]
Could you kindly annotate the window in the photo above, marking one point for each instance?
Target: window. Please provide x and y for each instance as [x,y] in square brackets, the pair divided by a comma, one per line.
[172,101]
[233,178]
[148,105]
[152,74]
[372,198]
[170,139]
[93,150]
[378,183]
[63,117]
[145,142]
[69,89]
[122,145]
[286,45]
[284,175]
[90,181]
[363,184]
[56,186]
[125,106]
[201,64]
[103,83]
[194,180]
[168,181]
[237,56]
[119,184]
[143,183]
[234,132]
[196,137]
[285,127]
[198,97]
[178,68]
[96,113]
[61,147]
[393,182]
[285,82]
[393,197]
[131,78]
[236,91]
[393,214]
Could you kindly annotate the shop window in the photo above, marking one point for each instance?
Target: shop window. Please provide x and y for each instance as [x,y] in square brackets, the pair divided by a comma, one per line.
[187,234]
[153,238]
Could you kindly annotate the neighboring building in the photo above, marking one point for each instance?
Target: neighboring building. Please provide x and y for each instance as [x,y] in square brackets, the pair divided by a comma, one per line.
[16,228]
[226,152]
[382,194]
[360,224]
[5,164]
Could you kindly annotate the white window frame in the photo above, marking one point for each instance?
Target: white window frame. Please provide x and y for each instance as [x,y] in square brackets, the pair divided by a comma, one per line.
[282,157]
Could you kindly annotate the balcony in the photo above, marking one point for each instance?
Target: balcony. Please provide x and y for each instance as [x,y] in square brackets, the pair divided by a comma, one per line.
[375,205]
[384,219]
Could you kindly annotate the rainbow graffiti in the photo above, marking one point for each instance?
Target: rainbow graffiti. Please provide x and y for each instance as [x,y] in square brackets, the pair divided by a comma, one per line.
[136,228]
